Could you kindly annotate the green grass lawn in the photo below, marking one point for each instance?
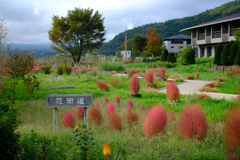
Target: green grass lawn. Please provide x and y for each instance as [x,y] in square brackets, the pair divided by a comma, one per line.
[130,143]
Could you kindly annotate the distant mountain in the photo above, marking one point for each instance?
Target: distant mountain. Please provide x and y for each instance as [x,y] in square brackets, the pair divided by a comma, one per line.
[172,27]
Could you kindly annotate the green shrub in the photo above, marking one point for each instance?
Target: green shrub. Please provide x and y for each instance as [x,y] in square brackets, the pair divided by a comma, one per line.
[164,55]
[112,66]
[163,64]
[9,141]
[225,54]
[238,57]
[218,53]
[60,69]
[46,69]
[171,57]
[67,69]
[187,56]
[233,53]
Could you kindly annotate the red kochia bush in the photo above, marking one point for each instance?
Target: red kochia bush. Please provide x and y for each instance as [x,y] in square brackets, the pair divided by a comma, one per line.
[210,85]
[171,115]
[36,68]
[117,100]
[232,134]
[134,85]
[130,104]
[110,109]
[68,120]
[193,123]
[106,100]
[80,113]
[190,77]
[115,122]
[142,108]
[202,96]
[95,115]
[100,70]
[172,92]
[197,74]
[131,72]
[74,69]
[149,77]
[143,70]
[102,86]
[155,121]
[132,118]
[162,71]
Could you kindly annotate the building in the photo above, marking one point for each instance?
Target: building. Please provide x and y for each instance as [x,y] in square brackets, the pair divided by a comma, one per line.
[124,56]
[205,37]
[172,43]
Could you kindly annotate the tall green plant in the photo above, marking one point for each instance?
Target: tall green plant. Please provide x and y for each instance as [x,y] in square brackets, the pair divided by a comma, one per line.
[164,55]
[218,54]
[187,56]
[171,57]
[233,53]
[225,54]
[238,57]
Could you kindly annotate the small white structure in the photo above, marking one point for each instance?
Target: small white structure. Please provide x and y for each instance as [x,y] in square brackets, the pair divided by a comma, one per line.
[126,56]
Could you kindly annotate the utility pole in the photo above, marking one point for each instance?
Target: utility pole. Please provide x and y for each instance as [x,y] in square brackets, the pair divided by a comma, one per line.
[126,44]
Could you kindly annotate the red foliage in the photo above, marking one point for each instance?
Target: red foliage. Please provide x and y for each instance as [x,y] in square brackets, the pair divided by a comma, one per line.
[95,115]
[100,70]
[125,72]
[52,69]
[117,100]
[142,108]
[110,109]
[162,71]
[232,157]
[197,74]
[193,123]
[130,104]
[132,118]
[210,85]
[149,77]
[202,96]
[80,113]
[170,81]
[68,120]
[143,70]
[171,115]
[36,68]
[172,92]
[155,121]
[112,73]
[115,122]
[103,86]
[74,69]
[129,109]
[134,85]
[131,72]
[232,134]
[190,77]
[106,100]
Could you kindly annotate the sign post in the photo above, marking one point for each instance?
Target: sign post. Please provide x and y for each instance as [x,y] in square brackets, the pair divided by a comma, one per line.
[71,100]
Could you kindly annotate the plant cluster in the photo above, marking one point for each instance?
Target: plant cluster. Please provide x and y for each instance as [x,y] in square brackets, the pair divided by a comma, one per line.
[153,85]
[176,78]
[112,66]
[46,69]
[233,74]
[187,56]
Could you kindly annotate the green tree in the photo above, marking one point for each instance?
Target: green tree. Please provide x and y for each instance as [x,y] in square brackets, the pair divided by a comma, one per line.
[164,55]
[118,54]
[237,36]
[225,54]
[233,53]
[139,44]
[81,30]
[218,53]
[171,57]
[187,56]
[238,56]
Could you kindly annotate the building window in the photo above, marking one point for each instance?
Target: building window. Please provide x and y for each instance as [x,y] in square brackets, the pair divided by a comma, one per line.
[128,53]
[172,46]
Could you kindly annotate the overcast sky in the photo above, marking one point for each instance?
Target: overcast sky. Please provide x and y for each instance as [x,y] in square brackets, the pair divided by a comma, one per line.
[30,20]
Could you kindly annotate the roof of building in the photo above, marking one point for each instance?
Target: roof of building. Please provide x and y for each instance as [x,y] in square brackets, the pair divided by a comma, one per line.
[180,36]
[217,21]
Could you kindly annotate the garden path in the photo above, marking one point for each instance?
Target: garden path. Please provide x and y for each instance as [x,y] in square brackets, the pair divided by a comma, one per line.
[192,86]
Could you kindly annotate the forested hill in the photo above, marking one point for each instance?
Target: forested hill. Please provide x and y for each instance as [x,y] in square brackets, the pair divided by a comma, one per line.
[172,27]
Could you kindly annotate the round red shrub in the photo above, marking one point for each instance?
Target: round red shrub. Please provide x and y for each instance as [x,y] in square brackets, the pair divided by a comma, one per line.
[130,104]
[132,118]
[80,113]
[100,70]
[134,85]
[193,123]
[143,70]
[36,68]
[117,100]
[171,115]
[173,92]
[162,71]
[115,122]
[68,120]
[232,132]
[149,77]
[110,109]
[106,100]
[129,108]
[190,77]
[142,108]
[131,72]
[103,86]
[197,74]
[95,115]
[155,121]
[74,69]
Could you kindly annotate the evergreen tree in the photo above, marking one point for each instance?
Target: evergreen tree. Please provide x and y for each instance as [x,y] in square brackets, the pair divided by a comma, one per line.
[218,54]
[187,56]
[225,54]
[233,53]
[171,57]
[164,55]
[238,57]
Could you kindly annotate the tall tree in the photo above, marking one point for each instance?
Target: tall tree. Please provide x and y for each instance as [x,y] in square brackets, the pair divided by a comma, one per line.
[237,36]
[225,54]
[138,44]
[81,30]
[154,43]
[233,53]
[164,55]
[218,54]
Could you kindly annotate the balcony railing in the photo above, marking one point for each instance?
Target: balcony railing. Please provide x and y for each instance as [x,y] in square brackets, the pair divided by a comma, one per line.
[201,36]
[216,35]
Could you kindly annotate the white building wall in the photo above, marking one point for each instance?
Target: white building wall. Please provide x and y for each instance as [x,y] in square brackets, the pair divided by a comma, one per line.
[174,47]
[128,54]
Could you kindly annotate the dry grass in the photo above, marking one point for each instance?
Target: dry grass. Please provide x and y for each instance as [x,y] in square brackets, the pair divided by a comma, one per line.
[176,78]
[208,89]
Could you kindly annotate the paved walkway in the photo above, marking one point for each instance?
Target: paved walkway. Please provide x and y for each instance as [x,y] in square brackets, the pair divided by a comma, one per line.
[192,86]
